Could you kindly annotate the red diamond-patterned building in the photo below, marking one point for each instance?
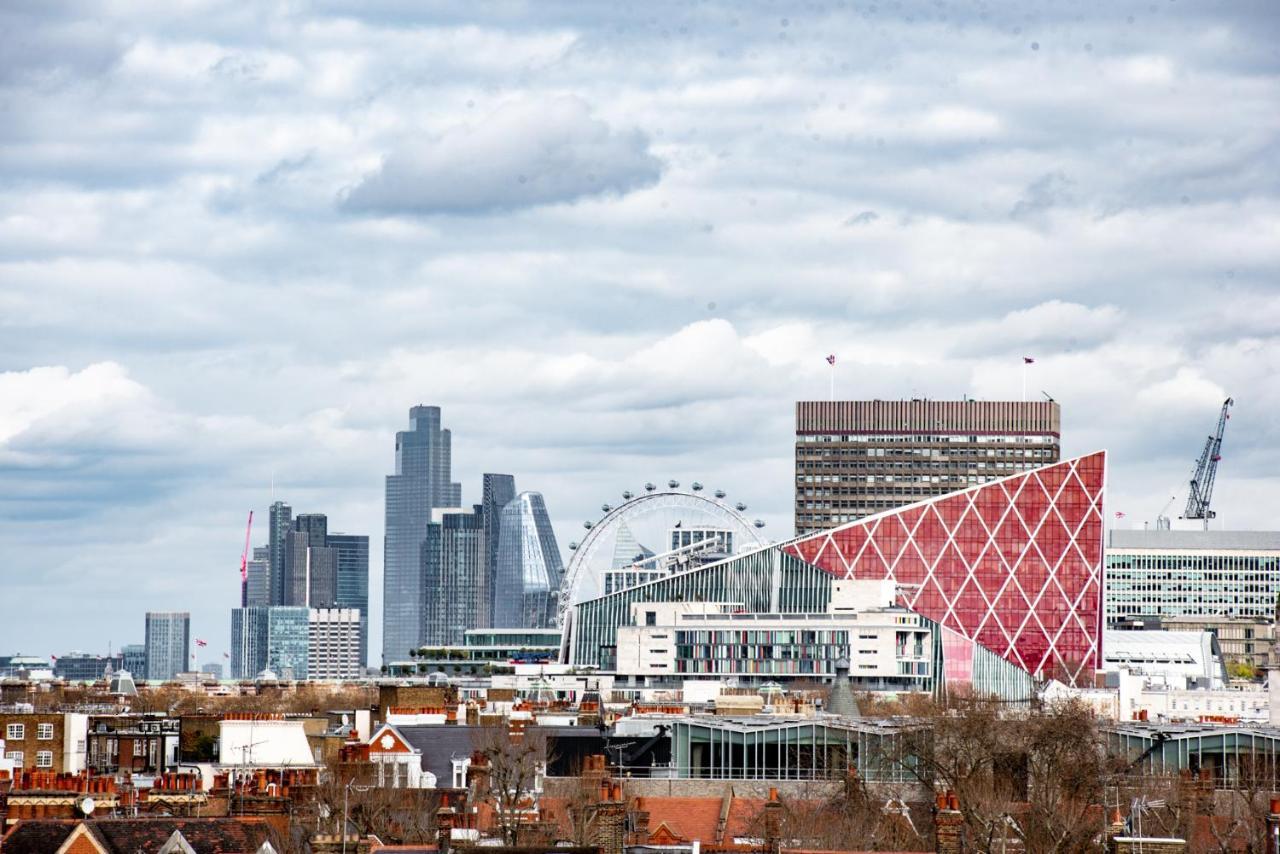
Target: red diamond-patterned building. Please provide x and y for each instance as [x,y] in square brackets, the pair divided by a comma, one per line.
[1014,565]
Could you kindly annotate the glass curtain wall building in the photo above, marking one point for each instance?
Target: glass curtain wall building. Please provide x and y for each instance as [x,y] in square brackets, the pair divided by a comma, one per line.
[280,525]
[274,638]
[421,483]
[456,590]
[353,581]
[499,490]
[529,566]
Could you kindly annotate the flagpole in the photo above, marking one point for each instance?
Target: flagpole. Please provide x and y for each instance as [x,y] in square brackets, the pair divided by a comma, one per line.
[1024,380]
[832,377]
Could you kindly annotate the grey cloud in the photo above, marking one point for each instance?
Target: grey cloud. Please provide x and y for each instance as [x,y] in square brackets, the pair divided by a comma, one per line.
[524,155]
[863,218]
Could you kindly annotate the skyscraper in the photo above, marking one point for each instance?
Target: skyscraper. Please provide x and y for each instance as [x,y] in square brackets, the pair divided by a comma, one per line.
[498,491]
[353,581]
[421,482]
[293,582]
[280,525]
[529,565]
[168,643]
[257,589]
[275,638]
[322,581]
[454,584]
[333,643]
[858,457]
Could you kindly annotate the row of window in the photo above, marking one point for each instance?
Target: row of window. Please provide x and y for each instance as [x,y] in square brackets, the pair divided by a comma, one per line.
[44,758]
[926,438]
[17,732]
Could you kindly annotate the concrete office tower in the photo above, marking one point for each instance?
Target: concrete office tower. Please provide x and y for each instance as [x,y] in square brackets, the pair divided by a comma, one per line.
[168,643]
[322,577]
[858,457]
[333,643]
[353,581]
[275,639]
[529,566]
[498,491]
[280,525]
[456,591]
[421,482]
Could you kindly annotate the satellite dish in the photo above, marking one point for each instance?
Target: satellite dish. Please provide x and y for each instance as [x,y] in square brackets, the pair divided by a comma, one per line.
[87,806]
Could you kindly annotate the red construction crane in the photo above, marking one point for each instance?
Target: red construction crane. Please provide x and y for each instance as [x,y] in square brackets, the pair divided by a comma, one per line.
[244,564]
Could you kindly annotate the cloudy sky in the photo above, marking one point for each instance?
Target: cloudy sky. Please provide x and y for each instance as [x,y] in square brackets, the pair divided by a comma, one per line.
[613,242]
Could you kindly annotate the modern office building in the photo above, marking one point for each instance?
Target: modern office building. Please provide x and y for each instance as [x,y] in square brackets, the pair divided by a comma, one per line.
[1243,639]
[275,639]
[1163,573]
[213,668]
[280,525]
[529,565]
[296,576]
[168,644]
[80,667]
[322,577]
[257,588]
[498,490]
[1010,571]
[134,659]
[333,644]
[454,582]
[353,581]
[858,457]
[421,482]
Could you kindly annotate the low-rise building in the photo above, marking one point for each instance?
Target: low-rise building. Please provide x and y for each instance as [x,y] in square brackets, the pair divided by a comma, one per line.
[47,741]
[1243,639]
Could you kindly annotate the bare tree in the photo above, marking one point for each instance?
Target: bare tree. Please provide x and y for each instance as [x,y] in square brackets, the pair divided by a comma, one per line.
[514,762]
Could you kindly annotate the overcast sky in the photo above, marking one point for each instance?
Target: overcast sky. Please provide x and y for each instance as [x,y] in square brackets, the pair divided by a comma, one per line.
[614,242]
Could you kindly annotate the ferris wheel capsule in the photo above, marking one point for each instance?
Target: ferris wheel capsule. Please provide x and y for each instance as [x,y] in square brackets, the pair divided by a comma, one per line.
[628,495]
[759,523]
[720,493]
[673,483]
[649,487]
[573,547]
[588,524]
[697,487]
[606,507]
[740,506]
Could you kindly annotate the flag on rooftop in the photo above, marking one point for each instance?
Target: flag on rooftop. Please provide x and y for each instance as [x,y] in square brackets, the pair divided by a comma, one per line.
[1027,360]
[831,360]
[201,643]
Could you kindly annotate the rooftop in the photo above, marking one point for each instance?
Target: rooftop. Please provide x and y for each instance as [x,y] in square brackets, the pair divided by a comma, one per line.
[1196,540]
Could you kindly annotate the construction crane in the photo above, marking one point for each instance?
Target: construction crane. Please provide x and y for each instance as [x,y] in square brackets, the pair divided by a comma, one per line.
[244,564]
[1206,470]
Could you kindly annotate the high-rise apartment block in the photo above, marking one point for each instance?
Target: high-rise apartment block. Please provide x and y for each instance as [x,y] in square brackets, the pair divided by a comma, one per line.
[421,483]
[353,581]
[333,644]
[168,643]
[454,583]
[859,457]
[529,568]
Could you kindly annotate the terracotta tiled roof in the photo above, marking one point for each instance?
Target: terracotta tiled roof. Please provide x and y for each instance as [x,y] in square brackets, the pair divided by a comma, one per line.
[129,835]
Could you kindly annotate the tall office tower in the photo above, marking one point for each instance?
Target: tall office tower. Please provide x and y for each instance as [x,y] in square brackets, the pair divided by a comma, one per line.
[316,526]
[529,566]
[420,483]
[497,492]
[858,457]
[135,659]
[168,642]
[333,643]
[322,580]
[294,577]
[454,585]
[257,588]
[280,525]
[353,581]
[274,638]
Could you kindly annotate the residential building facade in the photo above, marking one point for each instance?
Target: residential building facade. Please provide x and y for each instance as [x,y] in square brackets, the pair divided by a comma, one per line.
[859,457]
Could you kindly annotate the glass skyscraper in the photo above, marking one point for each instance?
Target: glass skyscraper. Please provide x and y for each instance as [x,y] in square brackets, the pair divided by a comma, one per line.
[168,642]
[353,581]
[498,491]
[274,638]
[454,583]
[421,482]
[281,524]
[529,566]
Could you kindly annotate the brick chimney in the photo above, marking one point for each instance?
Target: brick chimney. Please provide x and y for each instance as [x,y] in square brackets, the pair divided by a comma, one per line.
[949,825]
[444,828]
[609,829]
[773,823]
[1273,823]
[640,822]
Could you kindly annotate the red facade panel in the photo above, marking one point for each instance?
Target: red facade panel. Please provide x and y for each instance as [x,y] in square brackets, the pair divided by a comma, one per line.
[1015,564]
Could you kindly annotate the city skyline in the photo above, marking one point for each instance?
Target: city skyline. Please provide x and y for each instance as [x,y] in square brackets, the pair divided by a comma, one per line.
[238,243]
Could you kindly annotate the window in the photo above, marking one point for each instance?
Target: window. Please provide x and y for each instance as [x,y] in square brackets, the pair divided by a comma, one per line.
[16,756]
[44,732]
[651,618]
[15,732]
[139,747]
[44,758]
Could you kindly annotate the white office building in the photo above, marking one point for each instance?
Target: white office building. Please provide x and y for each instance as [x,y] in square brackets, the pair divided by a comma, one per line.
[333,643]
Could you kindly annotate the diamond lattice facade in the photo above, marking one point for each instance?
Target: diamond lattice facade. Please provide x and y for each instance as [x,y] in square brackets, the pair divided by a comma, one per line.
[1014,565]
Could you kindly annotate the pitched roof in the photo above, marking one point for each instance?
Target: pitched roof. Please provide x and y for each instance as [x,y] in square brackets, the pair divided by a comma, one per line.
[129,835]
